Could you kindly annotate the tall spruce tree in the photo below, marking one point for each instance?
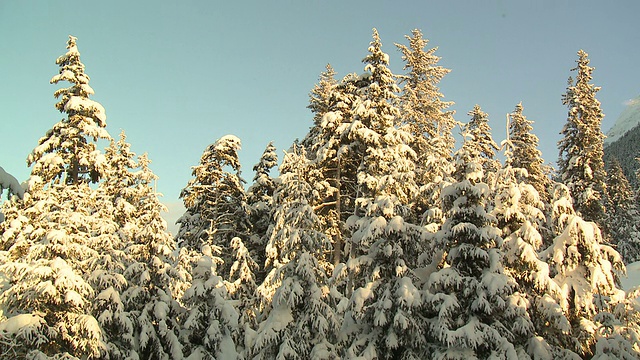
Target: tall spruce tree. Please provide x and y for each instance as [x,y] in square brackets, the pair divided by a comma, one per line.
[383,247]
[260,203]
[586,270]
[68,151]
[478,128]
[301,321]
[336,156]
[520,215]
[151,274]
[525,153]
[622,216]
[580,164]
[424,114]
[216,202]
[211,321]
[470,305]
[321,101]
[54,237]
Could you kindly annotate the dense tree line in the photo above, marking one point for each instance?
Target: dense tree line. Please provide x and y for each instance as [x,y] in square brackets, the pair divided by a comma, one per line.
[379,238]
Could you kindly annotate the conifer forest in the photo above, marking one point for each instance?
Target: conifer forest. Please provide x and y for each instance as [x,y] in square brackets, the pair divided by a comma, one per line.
[391,230]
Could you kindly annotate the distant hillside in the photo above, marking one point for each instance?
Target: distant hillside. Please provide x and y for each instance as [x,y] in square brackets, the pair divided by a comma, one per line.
[623,140]
[628,119]
[626,149]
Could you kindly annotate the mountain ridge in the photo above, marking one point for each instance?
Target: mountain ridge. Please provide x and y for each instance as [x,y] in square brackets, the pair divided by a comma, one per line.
[623,141]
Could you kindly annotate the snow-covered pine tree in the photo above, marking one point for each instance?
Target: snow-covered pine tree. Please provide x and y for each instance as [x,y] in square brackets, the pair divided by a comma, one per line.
[120,188]
[520,216]
[335,156]
[424,114]
[478,127]
[619,333]
[211,321]
[622,215]
[53,237]
[383,247]
[216,202]
[580,164]
[48,247]
[300,322]
[525,153]
[260,202]
[68,151]
[321,101]
[471,307]
[151,274]
[586,270]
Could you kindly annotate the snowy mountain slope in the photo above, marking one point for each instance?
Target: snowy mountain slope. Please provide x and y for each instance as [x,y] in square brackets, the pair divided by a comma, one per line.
[623,141]
[629,119]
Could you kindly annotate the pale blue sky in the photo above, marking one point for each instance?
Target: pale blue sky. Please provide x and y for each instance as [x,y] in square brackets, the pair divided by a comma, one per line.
[177,75]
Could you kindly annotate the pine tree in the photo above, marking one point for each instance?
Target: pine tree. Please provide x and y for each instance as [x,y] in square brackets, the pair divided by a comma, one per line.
[520,216]
[300,321]
[580,163]
[260,203]
[622,215]
[57,238]
[216,202]
[335,157]
[44,266]
[151,274]
[424,115]
[321,101]
[586,270]
[478,127]
[212,320]
[471,307]
[243,291]
[383,247]
[68,151]
[525,153]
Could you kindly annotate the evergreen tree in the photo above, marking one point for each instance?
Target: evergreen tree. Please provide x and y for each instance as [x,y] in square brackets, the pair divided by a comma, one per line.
[471,306]
[525,153]
[580,164]
[301,322]
[216,202]
[383,247]
[56,240]
[520,217]
[243,291]
[619,333]
[212,320]
[336,155]
[586,270]
[622,217]
[68,151]
[478,128]
[45,259]
[151,274]
[424,115]
[321,101]
[260,203]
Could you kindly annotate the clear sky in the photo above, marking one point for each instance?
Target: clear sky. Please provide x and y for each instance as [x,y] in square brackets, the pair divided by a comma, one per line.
[177,75]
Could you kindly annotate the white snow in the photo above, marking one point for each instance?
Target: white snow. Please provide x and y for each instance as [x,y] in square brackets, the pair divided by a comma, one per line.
[15,324]
[7,181]
[633,276]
